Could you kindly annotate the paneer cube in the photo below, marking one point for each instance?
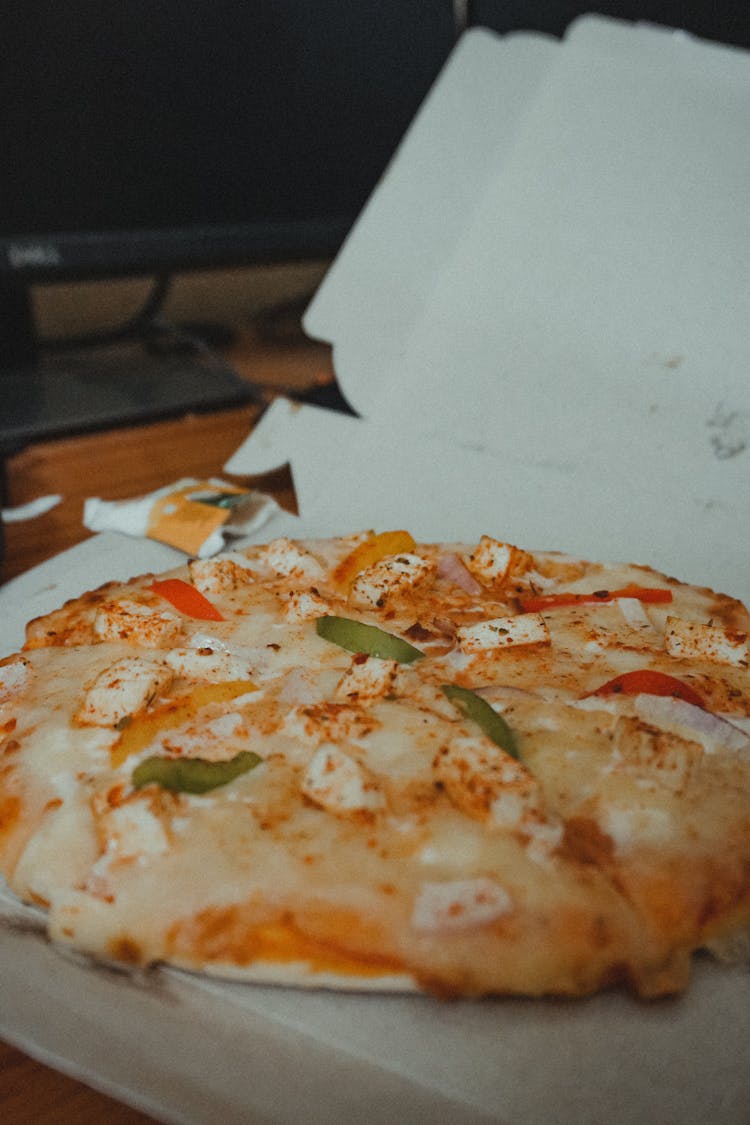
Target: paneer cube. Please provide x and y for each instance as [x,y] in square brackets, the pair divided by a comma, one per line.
[367,679]
[493,562]
[339,784]
[137,624]
[691,640]
[289,560]
[485,782]
[121,689]
[302,605]
[459,904]
[209,665]
[131,830]
[16,674]
[390,577]
[503,632]
[222,573]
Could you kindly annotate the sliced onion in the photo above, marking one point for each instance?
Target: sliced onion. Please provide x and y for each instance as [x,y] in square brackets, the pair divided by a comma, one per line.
[741,721]
[690,721]
[539,581]
[452,568]
[635,614]
[497,693]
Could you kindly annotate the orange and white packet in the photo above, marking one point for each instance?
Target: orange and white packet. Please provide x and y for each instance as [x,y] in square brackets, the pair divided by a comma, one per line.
[195,516]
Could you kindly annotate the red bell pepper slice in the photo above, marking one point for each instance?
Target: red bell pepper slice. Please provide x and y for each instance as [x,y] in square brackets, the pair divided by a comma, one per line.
[648,681]
[651,594]
[186,599]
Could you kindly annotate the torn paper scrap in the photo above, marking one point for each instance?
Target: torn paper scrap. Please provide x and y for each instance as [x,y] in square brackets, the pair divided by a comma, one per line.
[29,511]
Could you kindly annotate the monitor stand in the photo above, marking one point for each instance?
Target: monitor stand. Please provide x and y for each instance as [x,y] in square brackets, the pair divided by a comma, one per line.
[106,387]
[50,393]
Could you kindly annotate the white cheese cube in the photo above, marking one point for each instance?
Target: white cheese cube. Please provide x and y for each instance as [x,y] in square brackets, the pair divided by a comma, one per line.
[208,665]
[337,783]
[319,723]
[636,826]
[15,677]
[503,632]
[137,624]
[391,576]
[304,606]
[485,782]
[216,741]
[490,786]
[367,679]
[131,830]
[691,640]
[493,562]
[222,573]
[122,689]
[459,904]
[289,560]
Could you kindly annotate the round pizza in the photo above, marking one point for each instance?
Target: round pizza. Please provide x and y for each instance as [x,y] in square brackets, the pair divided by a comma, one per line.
[366,762]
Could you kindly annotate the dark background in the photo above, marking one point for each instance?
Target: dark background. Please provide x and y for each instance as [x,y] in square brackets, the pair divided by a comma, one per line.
[723,21]
[241,131]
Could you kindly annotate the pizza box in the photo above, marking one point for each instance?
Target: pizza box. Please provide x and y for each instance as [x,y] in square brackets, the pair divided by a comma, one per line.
[524,359]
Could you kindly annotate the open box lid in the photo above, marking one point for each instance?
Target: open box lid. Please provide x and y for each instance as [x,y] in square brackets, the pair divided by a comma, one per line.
[541,316]
[590,262]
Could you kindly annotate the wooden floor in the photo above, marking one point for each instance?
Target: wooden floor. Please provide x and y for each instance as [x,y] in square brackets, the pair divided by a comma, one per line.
[31,1094]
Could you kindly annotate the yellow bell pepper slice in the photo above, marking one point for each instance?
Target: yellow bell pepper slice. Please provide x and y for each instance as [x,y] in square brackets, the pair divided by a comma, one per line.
[366,554]
[146,725]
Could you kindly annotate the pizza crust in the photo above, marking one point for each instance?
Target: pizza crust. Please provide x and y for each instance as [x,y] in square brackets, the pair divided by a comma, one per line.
[373,833]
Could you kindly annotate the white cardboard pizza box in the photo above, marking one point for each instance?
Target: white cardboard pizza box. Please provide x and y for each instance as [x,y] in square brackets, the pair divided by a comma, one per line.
[191,1050]
[596,272]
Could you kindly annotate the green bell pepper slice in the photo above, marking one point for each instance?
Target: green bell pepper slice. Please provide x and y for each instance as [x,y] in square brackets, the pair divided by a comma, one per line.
[479,711]
[192,775]
[355,636]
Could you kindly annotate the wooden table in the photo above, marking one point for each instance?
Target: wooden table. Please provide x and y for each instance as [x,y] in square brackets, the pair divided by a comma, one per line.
[114,465]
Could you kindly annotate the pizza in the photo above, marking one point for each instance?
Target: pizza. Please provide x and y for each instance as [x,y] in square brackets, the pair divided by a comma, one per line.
[366,762]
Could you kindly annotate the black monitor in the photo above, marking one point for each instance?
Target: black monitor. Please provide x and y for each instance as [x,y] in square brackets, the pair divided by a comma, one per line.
[153,136]
[725,21]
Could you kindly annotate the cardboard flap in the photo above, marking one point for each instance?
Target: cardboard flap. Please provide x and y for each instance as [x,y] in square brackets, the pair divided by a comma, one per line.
[591,302]
[378,285]
[351,474]
[315,443]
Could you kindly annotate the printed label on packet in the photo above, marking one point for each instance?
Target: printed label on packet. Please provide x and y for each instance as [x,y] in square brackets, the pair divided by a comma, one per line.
[189,516]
